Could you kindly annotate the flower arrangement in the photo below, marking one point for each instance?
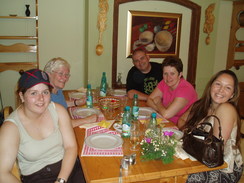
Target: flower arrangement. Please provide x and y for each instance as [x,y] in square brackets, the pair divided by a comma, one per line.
[158,146]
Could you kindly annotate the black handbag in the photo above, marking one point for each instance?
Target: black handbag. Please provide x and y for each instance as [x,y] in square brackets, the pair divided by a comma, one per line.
[204,146]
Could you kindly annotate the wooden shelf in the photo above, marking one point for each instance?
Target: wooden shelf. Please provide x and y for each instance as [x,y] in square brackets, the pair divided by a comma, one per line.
[239,49]
[235,45]
[19,37]
[20,46]
[17,66]
[19,17]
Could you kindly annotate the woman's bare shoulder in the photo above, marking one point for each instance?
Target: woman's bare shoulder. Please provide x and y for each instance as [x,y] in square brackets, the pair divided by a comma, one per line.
[59,108]
[9,128]
[226,107]
[227,111]
[9,125]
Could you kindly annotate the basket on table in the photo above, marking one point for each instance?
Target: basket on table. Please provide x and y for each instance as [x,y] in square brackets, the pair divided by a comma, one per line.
[110,107]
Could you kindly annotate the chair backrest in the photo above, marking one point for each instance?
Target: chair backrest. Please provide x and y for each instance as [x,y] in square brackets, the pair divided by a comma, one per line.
[15,171]
[7,111]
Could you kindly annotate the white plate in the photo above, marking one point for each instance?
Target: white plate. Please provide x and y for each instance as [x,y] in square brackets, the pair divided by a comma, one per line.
[178,134]
[103,141]
[145,112]
[84,112]
[119,93]
[77,95]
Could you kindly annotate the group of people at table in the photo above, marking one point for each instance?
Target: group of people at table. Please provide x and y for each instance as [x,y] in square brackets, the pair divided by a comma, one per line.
[39,133]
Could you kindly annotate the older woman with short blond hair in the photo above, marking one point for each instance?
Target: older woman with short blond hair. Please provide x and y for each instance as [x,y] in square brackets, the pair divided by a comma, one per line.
[58,70]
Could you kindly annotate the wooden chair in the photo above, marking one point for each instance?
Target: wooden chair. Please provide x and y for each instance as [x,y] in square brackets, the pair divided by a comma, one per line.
[7,111]
[15,171]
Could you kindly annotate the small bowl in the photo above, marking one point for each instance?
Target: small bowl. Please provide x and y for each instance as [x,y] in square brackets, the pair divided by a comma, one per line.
[104,102]
[110,107]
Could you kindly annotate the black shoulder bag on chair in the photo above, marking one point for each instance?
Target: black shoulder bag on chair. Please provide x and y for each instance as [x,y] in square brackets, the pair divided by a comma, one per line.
[204,146]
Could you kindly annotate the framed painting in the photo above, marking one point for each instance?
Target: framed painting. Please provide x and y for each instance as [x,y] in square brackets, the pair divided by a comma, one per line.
[158,33]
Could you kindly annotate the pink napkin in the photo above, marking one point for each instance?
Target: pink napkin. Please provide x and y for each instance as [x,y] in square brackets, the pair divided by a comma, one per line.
[89,151]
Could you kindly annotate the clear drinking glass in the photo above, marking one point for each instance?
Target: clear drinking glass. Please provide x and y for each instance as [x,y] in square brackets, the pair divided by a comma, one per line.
[123,103]
[96,95]
[135,135]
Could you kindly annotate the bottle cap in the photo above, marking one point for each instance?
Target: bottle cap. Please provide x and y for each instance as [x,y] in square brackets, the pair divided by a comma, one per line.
[127,108]
[89,86]
[135,95]
[154,115]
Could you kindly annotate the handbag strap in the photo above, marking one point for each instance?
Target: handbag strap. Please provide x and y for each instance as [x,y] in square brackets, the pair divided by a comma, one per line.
[204,123]
[220,129]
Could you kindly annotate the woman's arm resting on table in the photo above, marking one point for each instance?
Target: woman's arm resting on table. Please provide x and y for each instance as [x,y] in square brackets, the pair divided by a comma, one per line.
[89,119]
[155,95]
[76,102]
[155,101]
[70,146]
[141,96]
[169,112]
[9,144]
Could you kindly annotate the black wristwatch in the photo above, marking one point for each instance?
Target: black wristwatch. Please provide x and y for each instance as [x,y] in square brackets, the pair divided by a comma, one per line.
[60,180]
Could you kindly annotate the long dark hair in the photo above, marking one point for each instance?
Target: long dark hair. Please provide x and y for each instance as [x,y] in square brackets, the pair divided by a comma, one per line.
[201,107]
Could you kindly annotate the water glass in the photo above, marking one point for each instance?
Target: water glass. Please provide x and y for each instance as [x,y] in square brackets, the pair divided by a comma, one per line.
[123,102]
[96,95]
[135,135]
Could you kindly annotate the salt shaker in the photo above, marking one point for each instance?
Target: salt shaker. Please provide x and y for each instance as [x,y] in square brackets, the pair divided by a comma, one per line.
[132,159]
[125,162]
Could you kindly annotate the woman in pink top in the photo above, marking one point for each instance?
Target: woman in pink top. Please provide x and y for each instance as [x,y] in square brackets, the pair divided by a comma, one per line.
[173,95]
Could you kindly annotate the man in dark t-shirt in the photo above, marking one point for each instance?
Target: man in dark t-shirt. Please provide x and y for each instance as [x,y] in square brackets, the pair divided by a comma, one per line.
[143,77]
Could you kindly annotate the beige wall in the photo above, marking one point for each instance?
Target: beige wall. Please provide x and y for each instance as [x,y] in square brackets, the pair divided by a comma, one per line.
[62,34]
[68,29]
[62,26]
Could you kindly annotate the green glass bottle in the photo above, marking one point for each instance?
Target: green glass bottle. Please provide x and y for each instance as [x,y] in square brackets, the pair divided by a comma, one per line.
[153,122]
[89,99]
[103,86]
[135,107]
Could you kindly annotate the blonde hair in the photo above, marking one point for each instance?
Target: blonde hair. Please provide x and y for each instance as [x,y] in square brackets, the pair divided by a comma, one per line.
[56,63]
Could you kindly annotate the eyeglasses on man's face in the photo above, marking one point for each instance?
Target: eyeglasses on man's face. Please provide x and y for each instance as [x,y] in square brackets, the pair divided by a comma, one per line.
[60,74]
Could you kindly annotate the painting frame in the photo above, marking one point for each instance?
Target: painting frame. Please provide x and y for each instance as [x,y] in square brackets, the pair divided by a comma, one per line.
[156,32]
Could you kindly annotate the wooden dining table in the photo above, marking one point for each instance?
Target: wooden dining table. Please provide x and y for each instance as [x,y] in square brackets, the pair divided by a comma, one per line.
[99,169]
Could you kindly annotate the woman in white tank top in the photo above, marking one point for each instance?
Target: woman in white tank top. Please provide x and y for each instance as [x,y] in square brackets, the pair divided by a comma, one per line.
[39,134]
